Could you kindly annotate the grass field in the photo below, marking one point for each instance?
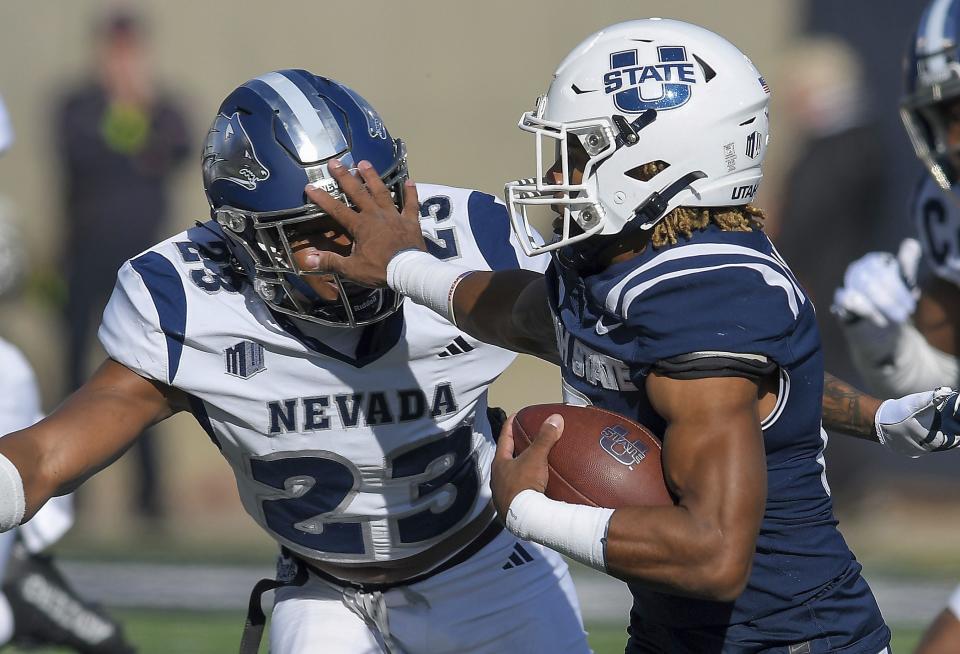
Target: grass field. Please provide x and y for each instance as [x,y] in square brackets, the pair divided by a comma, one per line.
[157,632]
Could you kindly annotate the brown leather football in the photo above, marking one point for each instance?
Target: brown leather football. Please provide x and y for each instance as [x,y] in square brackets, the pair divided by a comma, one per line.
[602,458]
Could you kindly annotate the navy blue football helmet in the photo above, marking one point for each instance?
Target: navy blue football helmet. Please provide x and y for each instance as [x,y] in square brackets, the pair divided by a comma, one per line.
[932,89]
[272,136]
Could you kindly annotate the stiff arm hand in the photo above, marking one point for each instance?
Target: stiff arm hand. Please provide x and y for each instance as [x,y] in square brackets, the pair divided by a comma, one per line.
[378,229]
[508,308]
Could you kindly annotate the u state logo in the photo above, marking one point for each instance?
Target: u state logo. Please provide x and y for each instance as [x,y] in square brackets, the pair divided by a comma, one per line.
[661,86]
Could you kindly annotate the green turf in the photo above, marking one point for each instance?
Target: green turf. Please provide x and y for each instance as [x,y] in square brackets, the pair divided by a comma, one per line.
[164,632]
[156,632]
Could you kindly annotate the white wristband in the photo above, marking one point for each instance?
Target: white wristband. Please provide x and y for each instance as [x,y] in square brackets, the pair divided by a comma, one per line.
[12,499]
[425,280]
[574,530]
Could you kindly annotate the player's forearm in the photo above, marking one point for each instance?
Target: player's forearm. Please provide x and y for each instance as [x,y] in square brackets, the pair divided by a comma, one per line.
[847,410]
[671,550]
[39,482]
[58,454]
[508,309]
[90,430]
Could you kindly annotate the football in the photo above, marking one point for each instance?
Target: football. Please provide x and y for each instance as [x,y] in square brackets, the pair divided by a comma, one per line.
[602,458]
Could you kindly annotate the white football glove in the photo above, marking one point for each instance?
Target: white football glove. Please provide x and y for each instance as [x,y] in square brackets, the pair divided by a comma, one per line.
[920,423]
[880,287]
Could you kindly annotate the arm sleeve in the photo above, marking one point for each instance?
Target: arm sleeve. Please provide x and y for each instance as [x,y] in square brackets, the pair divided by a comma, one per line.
[697,365]
[131,332]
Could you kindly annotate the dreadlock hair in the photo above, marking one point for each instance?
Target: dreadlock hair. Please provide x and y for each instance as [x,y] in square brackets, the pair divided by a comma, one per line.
[682,222]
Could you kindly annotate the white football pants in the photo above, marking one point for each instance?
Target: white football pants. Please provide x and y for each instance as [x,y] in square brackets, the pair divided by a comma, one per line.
[511,596]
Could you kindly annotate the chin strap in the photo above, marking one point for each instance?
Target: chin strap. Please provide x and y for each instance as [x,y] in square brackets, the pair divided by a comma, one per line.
[651,211]
[627,132]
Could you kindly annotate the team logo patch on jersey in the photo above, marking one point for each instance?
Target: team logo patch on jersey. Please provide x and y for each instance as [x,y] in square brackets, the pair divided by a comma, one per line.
[614,442]
[663,85]
[230,155]
[245,359]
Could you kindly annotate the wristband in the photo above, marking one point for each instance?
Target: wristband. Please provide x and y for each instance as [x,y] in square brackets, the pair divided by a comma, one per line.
[425,280]
[12,499]
[577,531]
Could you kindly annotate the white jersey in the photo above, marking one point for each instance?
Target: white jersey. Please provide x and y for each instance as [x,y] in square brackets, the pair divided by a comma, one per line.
[20,408]
[347,445]
[937,217]
[19,397]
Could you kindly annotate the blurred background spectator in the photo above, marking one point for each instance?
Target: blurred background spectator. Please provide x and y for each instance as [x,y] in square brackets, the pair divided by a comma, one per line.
[835,190]
[119,137]
[834,198]
[879,33]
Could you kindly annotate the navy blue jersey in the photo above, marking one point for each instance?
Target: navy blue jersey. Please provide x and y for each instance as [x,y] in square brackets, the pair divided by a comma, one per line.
[724,292]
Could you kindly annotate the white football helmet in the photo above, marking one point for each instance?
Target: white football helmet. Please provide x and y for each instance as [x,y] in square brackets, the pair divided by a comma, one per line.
[652,90]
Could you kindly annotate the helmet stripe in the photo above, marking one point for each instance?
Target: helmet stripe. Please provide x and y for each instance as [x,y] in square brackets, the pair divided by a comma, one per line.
[950,25]
[937,28]
[315,132]
[924,23]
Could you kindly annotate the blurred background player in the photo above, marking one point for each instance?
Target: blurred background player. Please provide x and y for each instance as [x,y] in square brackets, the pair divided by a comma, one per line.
[836,185]
[836,182]
[901,313]
[37,606]
[120,137]
[356,423]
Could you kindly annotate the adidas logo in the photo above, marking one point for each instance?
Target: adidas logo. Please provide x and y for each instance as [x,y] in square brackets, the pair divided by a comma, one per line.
[518,557]
[459,346]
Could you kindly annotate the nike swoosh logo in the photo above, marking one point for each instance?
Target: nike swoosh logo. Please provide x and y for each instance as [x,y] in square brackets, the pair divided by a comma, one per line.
[602,329]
